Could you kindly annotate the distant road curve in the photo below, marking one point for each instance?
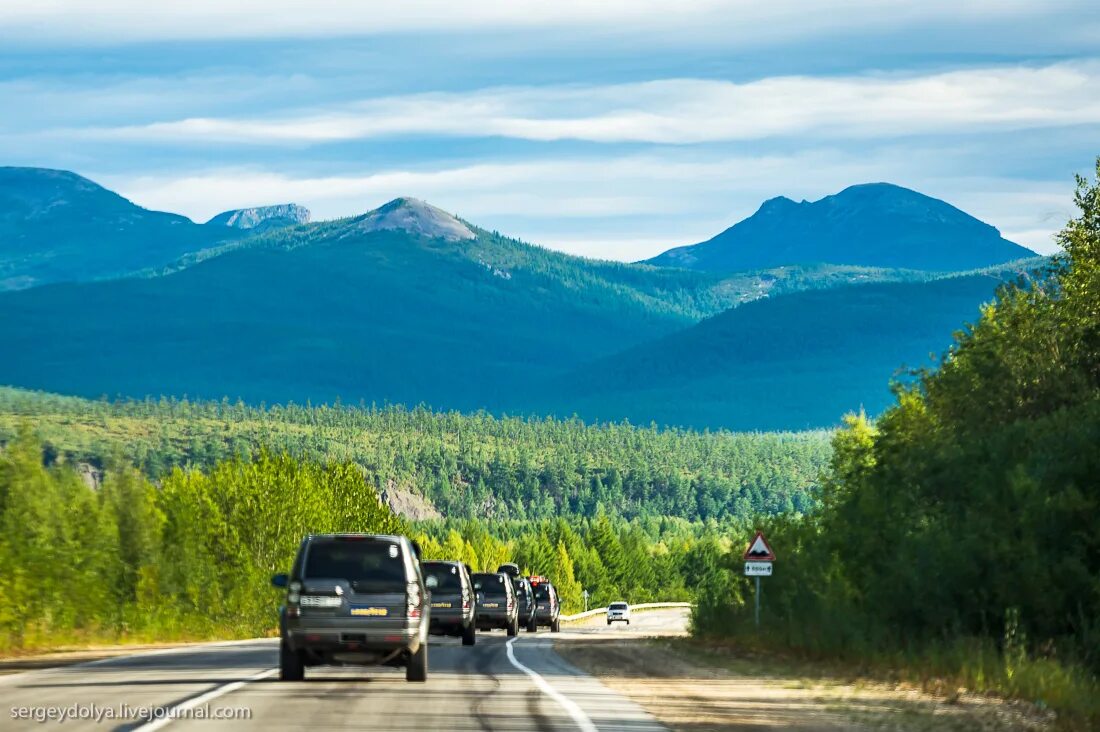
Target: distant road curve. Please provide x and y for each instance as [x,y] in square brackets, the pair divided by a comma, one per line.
[640,606]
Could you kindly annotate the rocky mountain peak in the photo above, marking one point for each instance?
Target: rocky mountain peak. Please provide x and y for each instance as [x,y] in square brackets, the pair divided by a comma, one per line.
[262,217]
[414,216]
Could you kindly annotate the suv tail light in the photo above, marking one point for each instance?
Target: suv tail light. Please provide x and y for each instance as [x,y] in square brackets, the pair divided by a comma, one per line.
[412,597]
[293,597]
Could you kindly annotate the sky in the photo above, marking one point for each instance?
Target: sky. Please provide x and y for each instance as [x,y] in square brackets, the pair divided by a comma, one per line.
[609,129]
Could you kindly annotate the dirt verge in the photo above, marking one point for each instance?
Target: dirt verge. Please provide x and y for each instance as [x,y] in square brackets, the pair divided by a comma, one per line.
[687,688]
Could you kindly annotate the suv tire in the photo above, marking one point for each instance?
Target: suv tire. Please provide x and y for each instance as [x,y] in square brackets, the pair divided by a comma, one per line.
[513,627]
[532,625]
[292,666]
[469,635]
[555,626]
[417,670]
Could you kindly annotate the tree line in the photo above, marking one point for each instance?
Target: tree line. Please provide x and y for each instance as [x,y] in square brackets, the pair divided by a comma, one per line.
[191,556]
[959,530]
[465,465]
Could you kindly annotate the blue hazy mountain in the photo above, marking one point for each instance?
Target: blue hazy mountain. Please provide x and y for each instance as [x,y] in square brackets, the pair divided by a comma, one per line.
[405,303]
[873,225]
[408,303]
[58,226]
[790,362]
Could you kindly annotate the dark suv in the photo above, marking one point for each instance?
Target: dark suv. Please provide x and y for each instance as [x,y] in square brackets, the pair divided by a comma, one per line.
[354,599]
[547,606]
[525,596]
[452,596]
[525,599]
[496,602]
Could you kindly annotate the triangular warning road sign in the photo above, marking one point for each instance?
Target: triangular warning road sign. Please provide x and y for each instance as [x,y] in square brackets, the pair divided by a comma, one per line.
[759,550]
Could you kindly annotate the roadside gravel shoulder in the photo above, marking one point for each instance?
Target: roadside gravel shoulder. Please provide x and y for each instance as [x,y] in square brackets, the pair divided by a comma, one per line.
[688,687]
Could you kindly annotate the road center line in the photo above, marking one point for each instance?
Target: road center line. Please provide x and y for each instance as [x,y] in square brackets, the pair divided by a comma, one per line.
[171,714]
[578,715]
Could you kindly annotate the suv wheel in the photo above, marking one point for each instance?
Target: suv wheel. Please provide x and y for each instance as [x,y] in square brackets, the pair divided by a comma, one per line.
[513,627]
[292,666]
[555,626]
[532,625]
[469,635]
[417,670]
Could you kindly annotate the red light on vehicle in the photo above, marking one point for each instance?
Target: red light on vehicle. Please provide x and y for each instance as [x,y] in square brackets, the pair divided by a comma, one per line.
[313,637]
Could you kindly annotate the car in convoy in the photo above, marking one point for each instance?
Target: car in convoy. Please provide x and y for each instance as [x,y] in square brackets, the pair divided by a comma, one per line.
[454,611]
[547,604]
[525,596]
[356,599]
[525,599]
[618,612]
[496,602]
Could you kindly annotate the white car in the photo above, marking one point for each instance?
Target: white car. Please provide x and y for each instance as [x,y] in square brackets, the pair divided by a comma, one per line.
[618,611]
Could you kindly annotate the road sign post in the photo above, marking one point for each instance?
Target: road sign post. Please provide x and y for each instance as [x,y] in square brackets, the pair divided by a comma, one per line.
[585,593]
[758,563]
[758,602]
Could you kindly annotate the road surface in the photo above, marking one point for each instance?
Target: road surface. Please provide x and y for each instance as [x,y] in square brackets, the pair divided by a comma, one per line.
[495,685]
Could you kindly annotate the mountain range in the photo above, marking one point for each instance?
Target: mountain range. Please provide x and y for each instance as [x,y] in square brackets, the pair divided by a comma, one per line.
[407,303]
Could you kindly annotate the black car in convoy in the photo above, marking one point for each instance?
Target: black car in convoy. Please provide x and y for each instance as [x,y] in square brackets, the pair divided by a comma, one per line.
[354,599]
[454,611]
[496,602]
[525,596]
[525,599]
[547,605]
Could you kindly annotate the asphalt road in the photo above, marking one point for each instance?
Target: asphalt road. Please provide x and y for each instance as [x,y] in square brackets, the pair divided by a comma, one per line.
[493,685]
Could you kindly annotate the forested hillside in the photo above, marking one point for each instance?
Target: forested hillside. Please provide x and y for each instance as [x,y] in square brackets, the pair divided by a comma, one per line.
[463,465]
[959,530]
[787,362]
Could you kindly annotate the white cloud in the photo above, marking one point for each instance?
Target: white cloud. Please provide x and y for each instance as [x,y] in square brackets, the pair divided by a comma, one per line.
[683,111]
[727,21]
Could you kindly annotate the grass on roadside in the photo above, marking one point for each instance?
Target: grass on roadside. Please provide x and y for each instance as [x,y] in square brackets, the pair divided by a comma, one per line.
[949,671]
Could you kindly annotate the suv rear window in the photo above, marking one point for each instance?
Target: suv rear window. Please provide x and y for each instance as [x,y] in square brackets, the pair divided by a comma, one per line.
[441,577]
[490,585]
[542,591]
[521,587]
[368,566]
[617,606]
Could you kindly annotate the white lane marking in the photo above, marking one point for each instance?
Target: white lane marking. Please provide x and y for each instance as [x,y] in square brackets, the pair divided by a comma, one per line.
[172,712]
[578,715]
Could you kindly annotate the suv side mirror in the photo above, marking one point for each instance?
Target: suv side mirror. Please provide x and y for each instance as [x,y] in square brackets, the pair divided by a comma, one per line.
[279,580]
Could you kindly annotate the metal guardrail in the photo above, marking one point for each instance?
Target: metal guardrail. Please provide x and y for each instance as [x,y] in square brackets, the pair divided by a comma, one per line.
[640,606]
